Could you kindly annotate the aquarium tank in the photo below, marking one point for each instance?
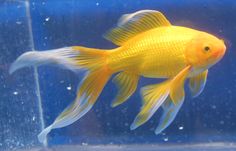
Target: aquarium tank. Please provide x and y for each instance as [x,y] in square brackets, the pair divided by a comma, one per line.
[33,97]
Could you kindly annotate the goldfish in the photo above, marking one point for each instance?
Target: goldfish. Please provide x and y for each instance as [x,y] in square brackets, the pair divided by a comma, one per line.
[148,45]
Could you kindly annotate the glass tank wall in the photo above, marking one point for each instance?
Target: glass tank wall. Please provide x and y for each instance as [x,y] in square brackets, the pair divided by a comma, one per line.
[32,98]
[19,109]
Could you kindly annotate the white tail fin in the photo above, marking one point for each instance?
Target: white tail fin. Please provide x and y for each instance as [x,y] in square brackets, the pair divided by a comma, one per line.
[87,94]
[93,60]
[42,136]
[63,56]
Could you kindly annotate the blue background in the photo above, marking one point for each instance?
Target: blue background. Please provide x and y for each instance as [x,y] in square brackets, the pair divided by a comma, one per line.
[207,118]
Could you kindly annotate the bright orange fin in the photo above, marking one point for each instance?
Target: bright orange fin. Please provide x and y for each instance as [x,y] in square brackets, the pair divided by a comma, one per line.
[127,84]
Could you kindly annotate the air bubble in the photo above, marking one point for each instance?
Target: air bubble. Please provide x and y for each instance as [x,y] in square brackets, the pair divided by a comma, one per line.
[68,88]
[18,22]
[166,139]
[181,128]
[47,19]
[15,93]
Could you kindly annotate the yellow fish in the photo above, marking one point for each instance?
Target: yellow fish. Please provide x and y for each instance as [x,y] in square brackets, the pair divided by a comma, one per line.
[148,46]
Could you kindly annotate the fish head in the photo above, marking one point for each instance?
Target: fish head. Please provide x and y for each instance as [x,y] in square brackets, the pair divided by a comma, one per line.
[204,50]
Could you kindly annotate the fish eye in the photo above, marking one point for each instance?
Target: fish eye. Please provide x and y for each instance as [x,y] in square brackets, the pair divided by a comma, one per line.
[206,48]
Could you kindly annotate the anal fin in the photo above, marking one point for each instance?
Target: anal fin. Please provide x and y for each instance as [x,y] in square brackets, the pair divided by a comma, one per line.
[127,83]
[155,95]
[170,111]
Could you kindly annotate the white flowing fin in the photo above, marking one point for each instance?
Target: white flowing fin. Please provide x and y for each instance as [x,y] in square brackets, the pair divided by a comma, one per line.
[93,60]
[87,95]
[170,111]
[197,83]
[65,57]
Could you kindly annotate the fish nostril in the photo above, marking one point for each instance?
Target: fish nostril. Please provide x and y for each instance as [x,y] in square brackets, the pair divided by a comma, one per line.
[222,50]
[218,53]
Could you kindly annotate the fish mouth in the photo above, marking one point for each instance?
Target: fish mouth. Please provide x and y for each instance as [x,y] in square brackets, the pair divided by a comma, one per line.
[217,54]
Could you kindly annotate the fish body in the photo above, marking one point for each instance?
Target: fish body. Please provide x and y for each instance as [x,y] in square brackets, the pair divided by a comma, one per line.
[157,53]
[149,46]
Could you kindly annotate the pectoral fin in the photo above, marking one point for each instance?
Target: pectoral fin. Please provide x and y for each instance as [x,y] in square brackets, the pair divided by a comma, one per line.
[155,95]
[170,111]
[127,84]
[197,83]
[173,103]
[177,86]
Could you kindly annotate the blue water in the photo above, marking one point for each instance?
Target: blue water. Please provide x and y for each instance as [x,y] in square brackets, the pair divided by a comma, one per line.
[209,118]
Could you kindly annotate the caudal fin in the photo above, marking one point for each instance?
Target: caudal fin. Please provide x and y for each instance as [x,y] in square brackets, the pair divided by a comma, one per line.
[87,94]
[93,60]
[65,57]
[72,58]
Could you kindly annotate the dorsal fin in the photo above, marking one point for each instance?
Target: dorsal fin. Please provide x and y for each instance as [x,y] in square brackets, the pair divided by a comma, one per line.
[129,25]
